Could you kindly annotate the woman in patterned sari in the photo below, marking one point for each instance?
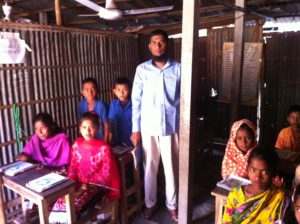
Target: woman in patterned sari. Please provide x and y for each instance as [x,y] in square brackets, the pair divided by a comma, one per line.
[260,202]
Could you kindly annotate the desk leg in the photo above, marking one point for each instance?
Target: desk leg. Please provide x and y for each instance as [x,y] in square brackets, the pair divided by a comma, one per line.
[218,210]
[69,199]
[43,212]
[2,205]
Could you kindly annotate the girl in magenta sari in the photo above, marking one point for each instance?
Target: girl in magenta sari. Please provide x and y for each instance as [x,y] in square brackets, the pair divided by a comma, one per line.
[48,146]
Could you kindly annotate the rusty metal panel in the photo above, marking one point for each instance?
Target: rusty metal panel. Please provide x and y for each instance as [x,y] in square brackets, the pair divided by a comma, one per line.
[282,79]
[219,113]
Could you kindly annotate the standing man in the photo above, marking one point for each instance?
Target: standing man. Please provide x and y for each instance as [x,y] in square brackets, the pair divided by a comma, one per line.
[155,120]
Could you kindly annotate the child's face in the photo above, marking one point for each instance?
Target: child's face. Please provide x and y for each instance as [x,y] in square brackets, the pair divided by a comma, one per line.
[89,91]
[41,130]
[259,174]
[294,119]
[88,130]
[122,92]
[297,209]
[244,140]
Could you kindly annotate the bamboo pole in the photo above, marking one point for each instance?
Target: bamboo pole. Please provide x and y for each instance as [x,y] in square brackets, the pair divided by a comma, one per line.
[238,59]
[58,13]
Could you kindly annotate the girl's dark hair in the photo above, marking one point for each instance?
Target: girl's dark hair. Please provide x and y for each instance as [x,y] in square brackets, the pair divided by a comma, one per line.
[248,129]
[92,80]
[297,193]
[92,116]
[268,155]
[47,119]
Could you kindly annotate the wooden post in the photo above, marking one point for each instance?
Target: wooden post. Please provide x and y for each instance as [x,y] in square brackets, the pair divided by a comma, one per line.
[2,204]
[58,13]
[43,211]
[189,61]
[69,199]
[238,59]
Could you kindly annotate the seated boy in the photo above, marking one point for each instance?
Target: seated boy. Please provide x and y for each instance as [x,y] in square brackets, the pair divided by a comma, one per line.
[92,103]
[120,113]
[289,138]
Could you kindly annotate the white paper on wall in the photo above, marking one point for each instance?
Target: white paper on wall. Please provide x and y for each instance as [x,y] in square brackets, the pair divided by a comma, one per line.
[12,48]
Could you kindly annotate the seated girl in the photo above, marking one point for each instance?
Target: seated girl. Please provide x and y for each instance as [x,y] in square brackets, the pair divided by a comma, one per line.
[296,205]
[48,146]
[259,202]
[241,143]
[94,168]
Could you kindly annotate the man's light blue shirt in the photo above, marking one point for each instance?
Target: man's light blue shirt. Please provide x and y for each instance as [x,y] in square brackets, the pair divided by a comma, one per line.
[155,99]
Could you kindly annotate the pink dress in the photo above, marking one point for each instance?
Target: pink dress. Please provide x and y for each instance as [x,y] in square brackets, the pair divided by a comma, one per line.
[92,163]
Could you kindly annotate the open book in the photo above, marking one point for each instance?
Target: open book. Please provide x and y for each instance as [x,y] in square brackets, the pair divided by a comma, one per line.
[16,167]
[233,181]
[44,182]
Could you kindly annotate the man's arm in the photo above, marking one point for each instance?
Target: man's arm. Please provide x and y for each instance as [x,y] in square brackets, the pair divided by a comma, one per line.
[136,98]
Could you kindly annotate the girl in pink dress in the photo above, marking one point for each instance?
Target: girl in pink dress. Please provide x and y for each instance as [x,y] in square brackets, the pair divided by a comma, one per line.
[93,166]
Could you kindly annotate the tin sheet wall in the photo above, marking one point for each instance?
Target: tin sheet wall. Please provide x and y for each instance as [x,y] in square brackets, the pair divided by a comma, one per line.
[282,82]
[219,113]
[280,75]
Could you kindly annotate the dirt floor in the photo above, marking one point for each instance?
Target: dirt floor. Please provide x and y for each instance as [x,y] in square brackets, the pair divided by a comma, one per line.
[207,173]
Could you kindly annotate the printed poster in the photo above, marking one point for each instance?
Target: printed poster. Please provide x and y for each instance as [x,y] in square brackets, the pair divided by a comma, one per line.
[251,71]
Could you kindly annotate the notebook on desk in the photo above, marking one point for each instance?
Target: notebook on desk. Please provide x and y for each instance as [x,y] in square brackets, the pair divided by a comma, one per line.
[16,167]
[233,181]
[45,182]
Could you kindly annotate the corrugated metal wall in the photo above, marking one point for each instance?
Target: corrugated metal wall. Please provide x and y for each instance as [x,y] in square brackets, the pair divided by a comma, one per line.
[281,75]
[50,80]
[282,78]
[219,113]
[210,69]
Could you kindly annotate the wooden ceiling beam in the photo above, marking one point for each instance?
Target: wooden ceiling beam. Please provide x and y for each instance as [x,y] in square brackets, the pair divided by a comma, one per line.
[167,14]
[64,6]
[204,23]
[263,2]
[80,22]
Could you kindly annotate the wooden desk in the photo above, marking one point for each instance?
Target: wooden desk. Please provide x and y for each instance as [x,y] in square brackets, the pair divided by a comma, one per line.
[221,197]
[17,184]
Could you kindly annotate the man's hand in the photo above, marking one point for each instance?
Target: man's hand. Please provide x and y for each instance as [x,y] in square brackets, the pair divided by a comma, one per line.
[136,138]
